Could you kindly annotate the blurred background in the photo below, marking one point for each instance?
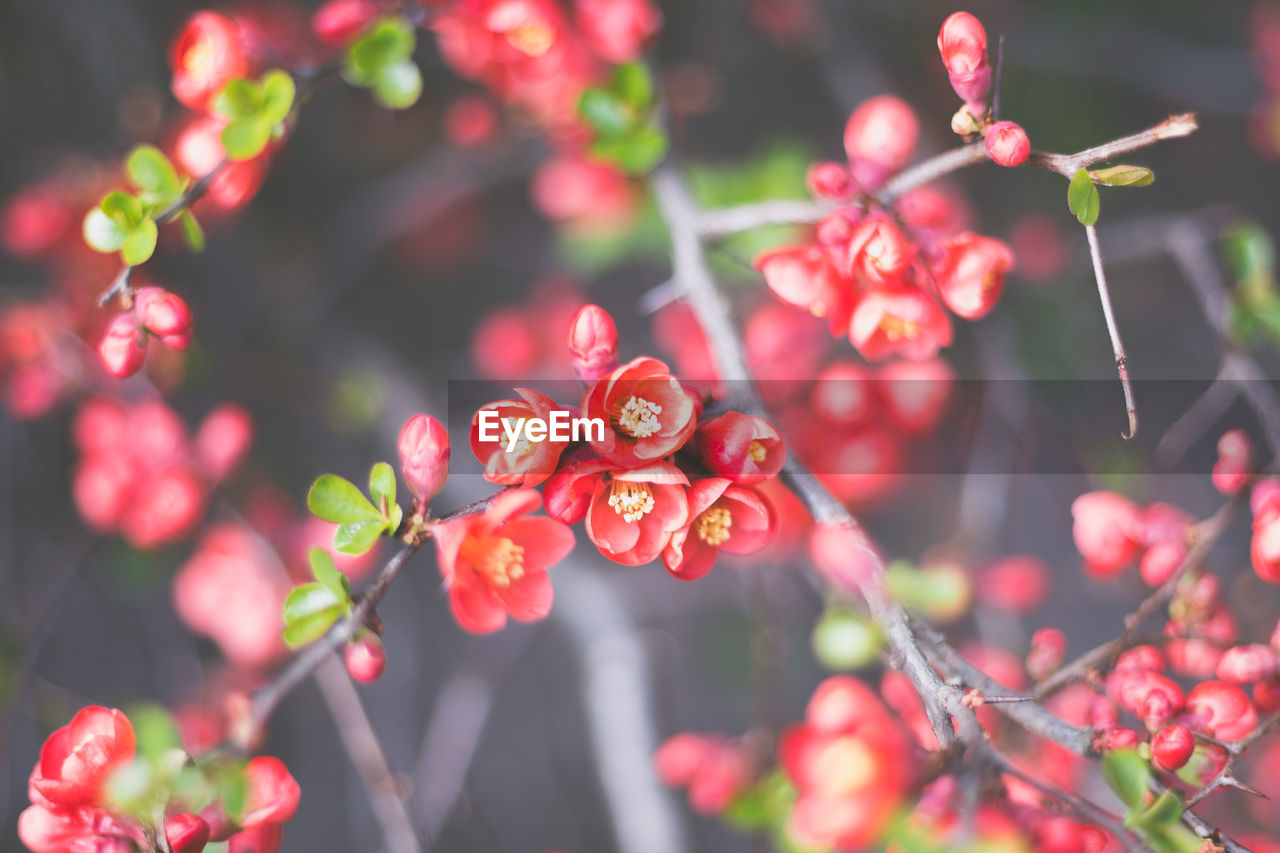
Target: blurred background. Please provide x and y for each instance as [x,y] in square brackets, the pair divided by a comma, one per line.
[388,255]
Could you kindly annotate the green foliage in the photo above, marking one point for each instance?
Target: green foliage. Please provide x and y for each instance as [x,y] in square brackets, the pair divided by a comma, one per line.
[360,522]
[151,172]
[122,223]
[381,60]
[936,592]
[192,232]
[844,640]
[1157,821]
[312,608]
[255,112]
[621,114]
[1128,774]
[1082,197]
[764,808]
[1123,176]
[1255,306]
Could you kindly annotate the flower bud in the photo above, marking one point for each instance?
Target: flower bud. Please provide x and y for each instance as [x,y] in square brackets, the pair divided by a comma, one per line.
[366,658]
[339,21]
[880,138]
[223,440]
[124,348]
[969,272]
[1265,546]
[186,833]
[1160,562]
[617,31]
[1048,647]
[593,343]
[1223,710]
[424,456]
[161,312]
[1115,737]
[963,44]
[1231,471]
[1247,664]
[180,341]
[1172,747]
[1007,144]
[1105,531]
[830,180]
[963,122]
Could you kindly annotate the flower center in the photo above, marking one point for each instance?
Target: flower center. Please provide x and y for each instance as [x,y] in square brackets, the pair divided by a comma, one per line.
[199,59]
[639,417]
[497,558]
[756,451]
[713,526]
[632,501]
[845,767]
[896,328]
[533,38]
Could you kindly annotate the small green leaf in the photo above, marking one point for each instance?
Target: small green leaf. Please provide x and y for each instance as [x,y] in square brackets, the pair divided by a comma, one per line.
[604,112]
[324,570]
[746,812]
[335,499]
[240,98]
[278,92]
[123,208]
[191,231]
[151,171]
[397,516]
[844,641]
[382,486]
[233,788]
[1166,810]
[140,244]
[386,43]
[1082,197]
[643,151]
[244,138]
[356,537]
[309,611]
[154,730]
[633,84]
[398,86]
[1127,774]
[1123,176]
[102,233]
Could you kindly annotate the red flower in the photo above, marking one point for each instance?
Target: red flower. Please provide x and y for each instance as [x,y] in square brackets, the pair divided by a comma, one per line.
[186,833]
[901,321]
[198,150]
[736,519]
[830,180]
[205,56]
[880,138]
[339,21]
[1007,144]
[76,759]
[970,272]
[495,563]
[617,30]
[271,792]
[1264,549]
[1221,710]
[62,830]
[805,277]
[963,44]
[851,762]
[743,448]
[631,513]
[714,768]
[162,312]
[877,252]
[647,414]
[529,462]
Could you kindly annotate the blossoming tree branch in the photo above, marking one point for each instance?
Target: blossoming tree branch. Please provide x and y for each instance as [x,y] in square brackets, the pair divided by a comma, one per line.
[741,446]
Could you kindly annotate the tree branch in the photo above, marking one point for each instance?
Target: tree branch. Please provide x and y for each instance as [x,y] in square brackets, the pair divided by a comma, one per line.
[1117,347]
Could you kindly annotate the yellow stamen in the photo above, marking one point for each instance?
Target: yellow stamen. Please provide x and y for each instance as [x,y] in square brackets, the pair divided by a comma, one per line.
[534,38]
[896,328]
[845,767]
[497,558]
[756,451]
[713,526]
[639,417]
[632,501]
[200,57]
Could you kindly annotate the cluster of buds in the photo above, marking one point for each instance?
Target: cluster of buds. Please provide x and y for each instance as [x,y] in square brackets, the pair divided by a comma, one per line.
[962,42]
[1111,532]
[78,804]
[156,313]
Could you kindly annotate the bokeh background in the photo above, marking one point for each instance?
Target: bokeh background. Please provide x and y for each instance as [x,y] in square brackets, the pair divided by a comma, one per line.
[350,293]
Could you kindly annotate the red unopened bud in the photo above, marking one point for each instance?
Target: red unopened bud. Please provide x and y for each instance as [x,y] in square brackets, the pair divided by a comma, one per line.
[880,138]
[180,341]
[593,343]
[1161,561]
[223,440]
[1235,446]
[124,348]
[1266,695]
[1106,530]
[162,312]
[1048,647]
[830,180]
[963,44]
[1266,492]
[1231,471]
[1248,664]
[1115,737]
[424,456]
[680,757]
[1222,710]
[1007,144]
[366,658]
[186,833]
[339,21]
[1172,746]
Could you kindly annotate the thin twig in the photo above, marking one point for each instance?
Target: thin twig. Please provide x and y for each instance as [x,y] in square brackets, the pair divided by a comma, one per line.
[1117,347]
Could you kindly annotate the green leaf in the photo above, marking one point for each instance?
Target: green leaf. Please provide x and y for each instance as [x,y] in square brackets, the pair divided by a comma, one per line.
[123,208]
[844,641]
[386,43]
[1082,197]
[1127,774]
[1166,810]
[240,98]
[382,486]
[140,244]
[397,516]
[244,138]
[398,86]
[191,231]
[309,611]
[604,112]
[633,84]
[746,812]
[154,730]
[1123,176]
[278,93]
[643,151]
[233,788]
[151,171]
[356,537]
[324,570]
[102,233]
[335,499]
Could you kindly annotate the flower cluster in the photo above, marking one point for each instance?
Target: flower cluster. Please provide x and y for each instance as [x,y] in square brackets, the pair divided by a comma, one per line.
[142,474]
[156,313]
[79,801]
